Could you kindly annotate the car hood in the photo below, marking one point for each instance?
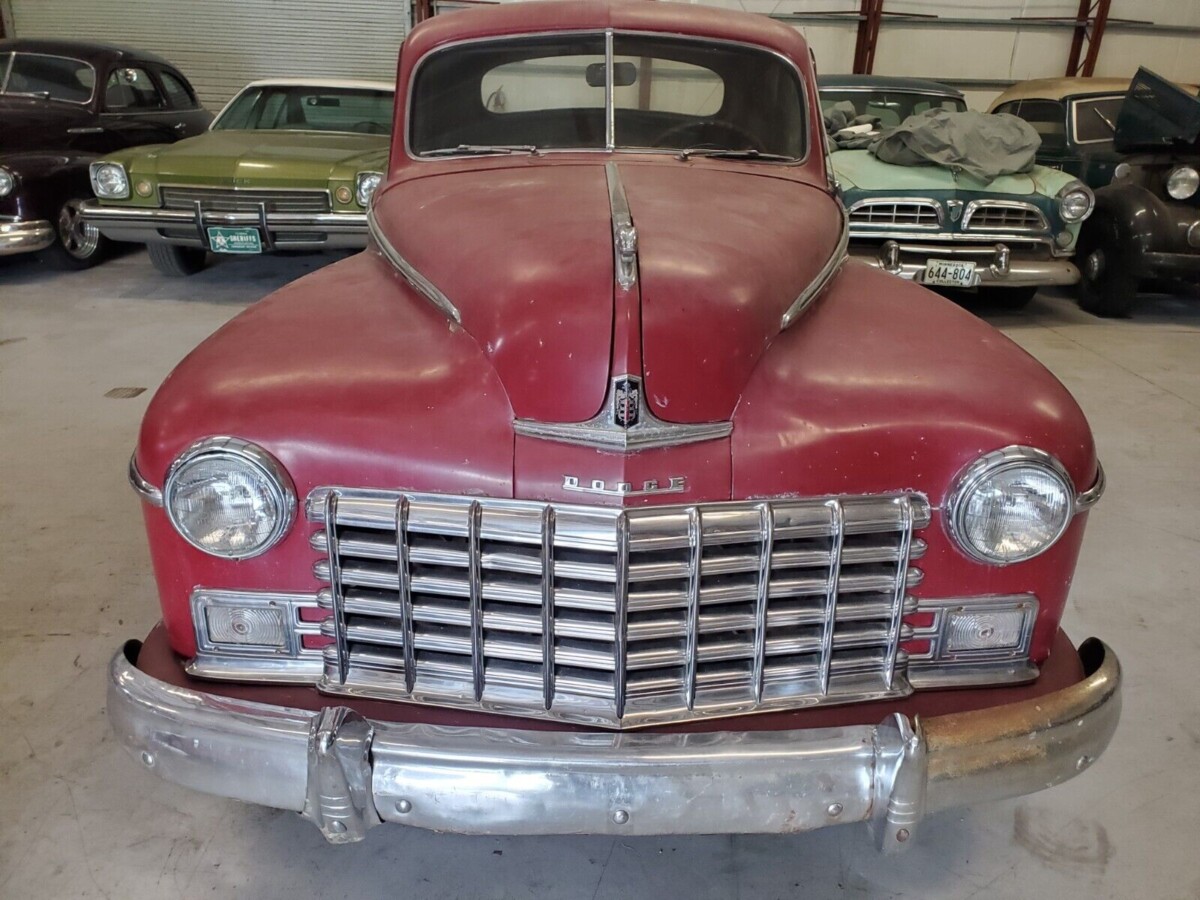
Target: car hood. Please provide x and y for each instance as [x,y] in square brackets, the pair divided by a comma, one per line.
[246,158]
[526,256]
[860,169]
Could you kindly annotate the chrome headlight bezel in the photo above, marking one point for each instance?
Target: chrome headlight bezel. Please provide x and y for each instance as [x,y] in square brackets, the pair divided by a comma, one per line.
[365,186]
[119,193]
[8,181]
[1182,182]
[986,468]
[1075,189]
[274,477]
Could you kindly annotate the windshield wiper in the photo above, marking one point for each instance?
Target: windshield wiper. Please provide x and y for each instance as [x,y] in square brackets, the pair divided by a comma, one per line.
[481,150]
[1105,119]
[710,153]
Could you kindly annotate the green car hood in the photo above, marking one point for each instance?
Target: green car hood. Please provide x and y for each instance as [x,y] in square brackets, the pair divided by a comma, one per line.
[859,169]
[260,158]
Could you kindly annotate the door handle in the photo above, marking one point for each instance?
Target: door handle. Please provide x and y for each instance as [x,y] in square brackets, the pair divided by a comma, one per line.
[179,126]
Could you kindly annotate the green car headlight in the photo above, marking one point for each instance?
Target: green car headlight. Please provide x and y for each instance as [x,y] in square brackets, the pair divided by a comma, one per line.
[109,181]
[365,185]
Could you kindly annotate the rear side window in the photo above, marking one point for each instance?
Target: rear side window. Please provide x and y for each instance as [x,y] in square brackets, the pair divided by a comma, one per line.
[179,95]
[130,88]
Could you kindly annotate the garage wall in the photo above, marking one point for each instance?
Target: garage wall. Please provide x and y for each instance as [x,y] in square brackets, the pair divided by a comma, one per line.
[223,44]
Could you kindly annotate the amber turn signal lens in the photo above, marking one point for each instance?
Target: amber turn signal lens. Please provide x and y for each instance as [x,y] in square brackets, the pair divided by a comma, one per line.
[344,194]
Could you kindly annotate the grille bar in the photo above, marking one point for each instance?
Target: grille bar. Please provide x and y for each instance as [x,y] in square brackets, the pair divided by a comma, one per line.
[616,617]
[245,200]
[1004,215]
[910,213]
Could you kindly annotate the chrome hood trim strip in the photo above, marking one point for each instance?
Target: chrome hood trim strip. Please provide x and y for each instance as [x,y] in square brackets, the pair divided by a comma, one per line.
[419,282]
[625,239]
[144,489]
[831,268]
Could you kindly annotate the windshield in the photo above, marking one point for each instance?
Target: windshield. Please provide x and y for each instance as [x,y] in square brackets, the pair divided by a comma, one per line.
[309,108]
[890,107]
[1096,119]
[50,77]
[559,92]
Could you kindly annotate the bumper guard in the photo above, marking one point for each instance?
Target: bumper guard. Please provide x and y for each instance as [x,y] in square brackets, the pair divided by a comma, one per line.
[24,236]
[346,773]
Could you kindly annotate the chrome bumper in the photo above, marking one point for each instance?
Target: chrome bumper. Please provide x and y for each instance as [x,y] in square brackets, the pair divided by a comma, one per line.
[346,773]
[997,265]
[24,236]
[305,230]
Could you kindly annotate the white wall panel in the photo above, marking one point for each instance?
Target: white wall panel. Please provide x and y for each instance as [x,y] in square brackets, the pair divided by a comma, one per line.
[223,44]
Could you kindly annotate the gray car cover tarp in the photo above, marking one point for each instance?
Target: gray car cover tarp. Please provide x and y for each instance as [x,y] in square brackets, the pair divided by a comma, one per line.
[985,145]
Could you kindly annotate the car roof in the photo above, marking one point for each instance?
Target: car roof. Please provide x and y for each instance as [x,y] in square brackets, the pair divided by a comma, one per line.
[1062,88]
[90,51]
[885,82]
[346,83]
[673,19]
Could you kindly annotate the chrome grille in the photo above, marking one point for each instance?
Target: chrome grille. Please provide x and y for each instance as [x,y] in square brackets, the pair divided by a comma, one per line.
[229,200]
[907,213]
[993,215]
[615,617]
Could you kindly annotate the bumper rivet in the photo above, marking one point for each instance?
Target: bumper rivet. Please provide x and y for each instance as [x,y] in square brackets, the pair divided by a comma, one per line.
[621,817]
[337,827]
[1082,763]
[403,806]
[902,835]
[834,810]
[148,758]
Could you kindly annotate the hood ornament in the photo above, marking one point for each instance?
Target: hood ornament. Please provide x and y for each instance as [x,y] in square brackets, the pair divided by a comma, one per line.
[625,424]
[956,209]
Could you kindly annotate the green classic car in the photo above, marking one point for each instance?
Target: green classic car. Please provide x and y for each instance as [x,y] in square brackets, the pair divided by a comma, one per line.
[945,228]
[286,165]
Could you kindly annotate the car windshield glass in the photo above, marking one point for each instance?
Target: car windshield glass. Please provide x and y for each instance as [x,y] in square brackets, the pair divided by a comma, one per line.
[560,93]
[308,108]
[51,77]
[890,107]
[1096,119]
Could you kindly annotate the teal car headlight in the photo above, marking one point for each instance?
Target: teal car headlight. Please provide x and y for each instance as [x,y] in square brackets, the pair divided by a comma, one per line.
[365,185]
[109,181]
[1075,202]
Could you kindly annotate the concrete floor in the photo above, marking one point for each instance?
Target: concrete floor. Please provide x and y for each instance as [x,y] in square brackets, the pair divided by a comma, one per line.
[79,819]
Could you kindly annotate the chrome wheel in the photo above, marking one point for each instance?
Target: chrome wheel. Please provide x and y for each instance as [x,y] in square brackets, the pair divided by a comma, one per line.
[77,237]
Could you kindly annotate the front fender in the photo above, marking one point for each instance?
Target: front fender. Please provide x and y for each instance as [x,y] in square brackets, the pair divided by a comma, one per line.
[1145,222]
[44,182]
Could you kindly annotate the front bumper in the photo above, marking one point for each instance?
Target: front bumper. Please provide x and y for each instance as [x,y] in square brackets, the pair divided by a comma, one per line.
[997,265]
[1160,264]
[24,236]
[189,227]
[347,773]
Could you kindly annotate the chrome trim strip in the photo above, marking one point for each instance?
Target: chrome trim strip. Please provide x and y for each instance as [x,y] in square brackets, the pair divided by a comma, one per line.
[692,613]
[404,582]
[893,643]
[838,537]
[475,587]
[621,614]
[1092,495]
[766,524]
[602,431]
[832,266]
[335,586]
[610,104]
[545,782]
[974,237]
[144,489]
[419,282]
[625,238]
[548,672]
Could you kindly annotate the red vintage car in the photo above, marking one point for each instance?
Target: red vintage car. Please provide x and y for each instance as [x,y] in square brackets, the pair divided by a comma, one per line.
[602,494]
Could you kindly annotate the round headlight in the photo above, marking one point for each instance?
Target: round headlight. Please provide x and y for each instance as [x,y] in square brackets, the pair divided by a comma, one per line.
[1183,182]
[6,182]
[1075,202]
[365,185]
[229,498]
[109,181]
[1011,505]
[1122,171]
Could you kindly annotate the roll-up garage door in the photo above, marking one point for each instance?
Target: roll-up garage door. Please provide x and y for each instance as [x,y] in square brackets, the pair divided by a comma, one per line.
[223,44]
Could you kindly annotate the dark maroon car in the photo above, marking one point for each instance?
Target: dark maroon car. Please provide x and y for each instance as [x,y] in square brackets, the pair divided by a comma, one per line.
[63,104]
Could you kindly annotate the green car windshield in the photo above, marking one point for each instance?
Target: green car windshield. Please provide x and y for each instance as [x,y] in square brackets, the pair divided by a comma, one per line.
[595,92]
[309,108]
[890,107]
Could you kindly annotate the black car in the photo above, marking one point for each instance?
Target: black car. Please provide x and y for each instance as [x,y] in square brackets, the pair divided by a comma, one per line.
[1146,227]
[62,105]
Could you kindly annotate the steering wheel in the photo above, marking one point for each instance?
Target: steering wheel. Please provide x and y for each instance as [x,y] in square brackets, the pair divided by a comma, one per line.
[366,126]
[741,139]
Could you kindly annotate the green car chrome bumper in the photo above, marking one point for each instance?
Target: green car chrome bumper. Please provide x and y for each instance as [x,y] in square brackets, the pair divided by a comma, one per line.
[188,228]
[996,265]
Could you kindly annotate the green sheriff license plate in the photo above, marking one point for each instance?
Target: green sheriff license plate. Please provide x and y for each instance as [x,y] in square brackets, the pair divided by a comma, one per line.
[949,273]
[234,240]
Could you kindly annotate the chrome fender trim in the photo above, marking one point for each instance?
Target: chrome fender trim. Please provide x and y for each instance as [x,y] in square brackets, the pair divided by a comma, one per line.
[346,773]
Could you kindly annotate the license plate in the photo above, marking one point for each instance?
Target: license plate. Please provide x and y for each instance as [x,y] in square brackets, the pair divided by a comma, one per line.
[234,240]
[947,273]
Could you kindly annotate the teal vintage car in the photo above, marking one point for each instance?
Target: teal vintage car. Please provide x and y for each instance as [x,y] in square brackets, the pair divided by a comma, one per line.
[945,228]
[288,164]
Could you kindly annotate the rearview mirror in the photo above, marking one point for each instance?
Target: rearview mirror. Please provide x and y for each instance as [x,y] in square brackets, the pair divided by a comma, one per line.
[624,74]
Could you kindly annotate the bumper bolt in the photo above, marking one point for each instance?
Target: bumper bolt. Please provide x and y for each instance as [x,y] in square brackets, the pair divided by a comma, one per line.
[902,835]
[621,817]
[337,827]
[834,810]
[1083,762]
[403,806]
[148,759]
